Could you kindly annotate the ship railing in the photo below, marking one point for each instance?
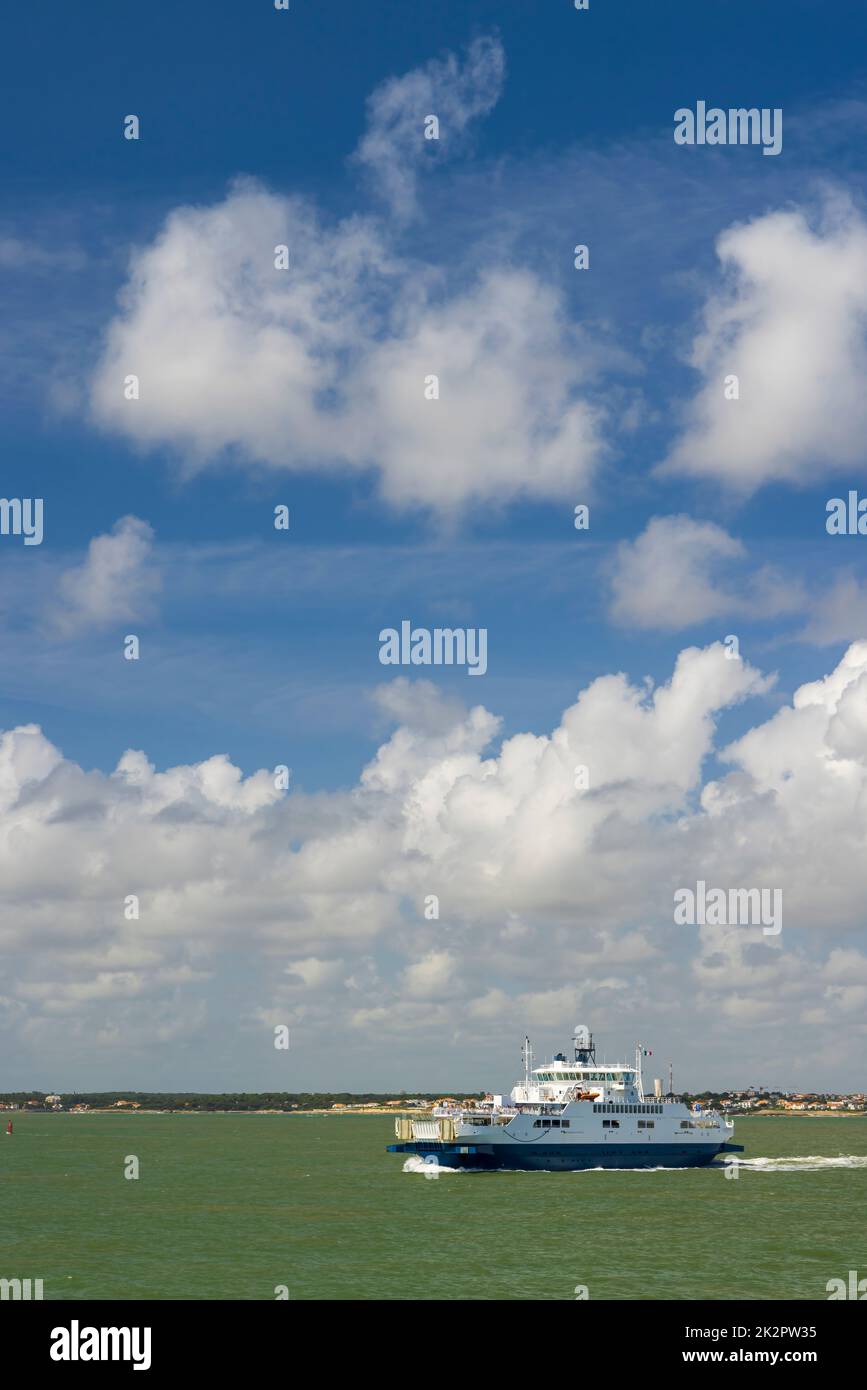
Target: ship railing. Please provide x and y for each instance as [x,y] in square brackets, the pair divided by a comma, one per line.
[488,1117]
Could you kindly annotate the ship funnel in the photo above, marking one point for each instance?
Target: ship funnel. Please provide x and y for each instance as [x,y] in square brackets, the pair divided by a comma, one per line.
[657,1088]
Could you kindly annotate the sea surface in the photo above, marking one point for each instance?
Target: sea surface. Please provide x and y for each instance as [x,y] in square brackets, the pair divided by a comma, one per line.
[242,1206]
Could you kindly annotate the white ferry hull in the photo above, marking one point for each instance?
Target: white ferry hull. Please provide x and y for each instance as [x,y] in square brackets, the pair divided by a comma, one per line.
[563,1157]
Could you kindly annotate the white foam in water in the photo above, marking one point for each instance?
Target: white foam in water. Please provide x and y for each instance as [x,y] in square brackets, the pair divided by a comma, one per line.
[812,1163]
[660,1168]
[416,1164]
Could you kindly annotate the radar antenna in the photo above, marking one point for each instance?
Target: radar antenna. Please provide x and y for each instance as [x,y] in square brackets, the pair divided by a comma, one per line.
[583,1039]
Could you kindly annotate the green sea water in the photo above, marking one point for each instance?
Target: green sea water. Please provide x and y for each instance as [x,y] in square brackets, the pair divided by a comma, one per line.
[233,1206]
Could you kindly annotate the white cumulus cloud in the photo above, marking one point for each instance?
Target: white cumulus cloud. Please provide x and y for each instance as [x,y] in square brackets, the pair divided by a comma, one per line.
[680,572]
[328,364]
[553,894]
[117,581]
[790,323]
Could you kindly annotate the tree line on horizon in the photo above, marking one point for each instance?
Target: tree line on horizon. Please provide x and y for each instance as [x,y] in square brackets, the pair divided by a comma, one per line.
[228,1100]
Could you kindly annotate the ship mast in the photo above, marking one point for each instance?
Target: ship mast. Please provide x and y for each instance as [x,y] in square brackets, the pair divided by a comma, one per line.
[585,1052]
[528,1064]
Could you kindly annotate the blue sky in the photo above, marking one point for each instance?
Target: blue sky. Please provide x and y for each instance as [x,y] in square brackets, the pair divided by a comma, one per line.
[263,645]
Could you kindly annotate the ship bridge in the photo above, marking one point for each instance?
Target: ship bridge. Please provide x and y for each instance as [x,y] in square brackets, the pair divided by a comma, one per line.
[581,1078]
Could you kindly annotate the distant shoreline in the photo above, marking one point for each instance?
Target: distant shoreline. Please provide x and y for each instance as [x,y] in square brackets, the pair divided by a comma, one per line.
[418,1112]
[128,1110]
[800,1115]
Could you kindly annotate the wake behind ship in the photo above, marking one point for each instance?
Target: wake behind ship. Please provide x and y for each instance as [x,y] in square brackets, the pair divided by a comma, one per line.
[569,1115]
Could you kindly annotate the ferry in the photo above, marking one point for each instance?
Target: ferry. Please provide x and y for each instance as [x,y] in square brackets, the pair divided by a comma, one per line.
[570,1115]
